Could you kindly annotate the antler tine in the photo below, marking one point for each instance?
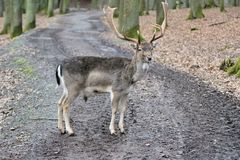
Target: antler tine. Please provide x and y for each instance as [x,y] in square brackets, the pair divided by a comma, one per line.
[109,14]
[164,24]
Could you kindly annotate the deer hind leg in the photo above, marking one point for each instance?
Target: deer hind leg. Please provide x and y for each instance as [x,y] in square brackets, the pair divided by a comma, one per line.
[61,102]
[72,94]
[115,101]
[60,112]
[63,109]
[122,109]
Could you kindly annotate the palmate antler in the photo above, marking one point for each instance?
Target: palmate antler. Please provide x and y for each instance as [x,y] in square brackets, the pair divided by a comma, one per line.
[164,23]
[109,14]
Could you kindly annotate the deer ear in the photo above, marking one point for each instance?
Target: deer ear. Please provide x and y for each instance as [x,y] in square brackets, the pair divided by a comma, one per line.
[134,46]
[154,44]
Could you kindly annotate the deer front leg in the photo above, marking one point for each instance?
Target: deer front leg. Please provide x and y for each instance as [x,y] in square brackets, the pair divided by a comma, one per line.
[122,110]
[115,102]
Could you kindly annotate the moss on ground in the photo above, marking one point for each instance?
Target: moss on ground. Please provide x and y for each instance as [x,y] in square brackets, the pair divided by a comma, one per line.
[24,66]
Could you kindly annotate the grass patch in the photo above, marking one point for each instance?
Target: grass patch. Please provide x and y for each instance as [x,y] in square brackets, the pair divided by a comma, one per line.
[24,66]
[21,61]
[226,63]
[230,67]
[235,69]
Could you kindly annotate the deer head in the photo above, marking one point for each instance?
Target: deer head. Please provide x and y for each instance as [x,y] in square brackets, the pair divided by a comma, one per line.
[143,49]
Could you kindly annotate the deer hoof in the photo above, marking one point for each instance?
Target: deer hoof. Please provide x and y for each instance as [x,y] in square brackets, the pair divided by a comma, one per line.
[62,131]
[71,134]
[113,132]
[122,130]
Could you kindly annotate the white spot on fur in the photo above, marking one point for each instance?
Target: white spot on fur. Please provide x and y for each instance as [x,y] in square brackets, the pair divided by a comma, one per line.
[145,66]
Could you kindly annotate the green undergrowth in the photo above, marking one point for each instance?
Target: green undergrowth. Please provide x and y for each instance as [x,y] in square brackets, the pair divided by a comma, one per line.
[24,66]
[231,67]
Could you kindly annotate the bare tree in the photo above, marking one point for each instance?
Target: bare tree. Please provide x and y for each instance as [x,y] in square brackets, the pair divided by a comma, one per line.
[16,18]
[1,8]
[196,10]
[129,18]
[142,7]
[7,17]
[50,12]
[64,6]
[172,4]
[30,14]
[222,8]
[159,12]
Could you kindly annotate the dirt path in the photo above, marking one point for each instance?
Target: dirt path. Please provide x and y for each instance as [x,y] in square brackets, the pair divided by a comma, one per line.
[171,115]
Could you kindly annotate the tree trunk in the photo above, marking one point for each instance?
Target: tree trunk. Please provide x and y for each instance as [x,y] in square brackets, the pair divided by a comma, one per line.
[114,4]
[171,4]
[222,9]
[56,4]
[30,15]
[23,5]
[7,17]
[152,4]
[78,4]
[94,4]
[231,2]
[16,18]
[142,7]
[130,20]
[64,4]
[44,6]
[50,12]
[234,3]
[196,10]
[185,3]
[147,7]
[121,15]
[159,12]
[208,4]
[1,8]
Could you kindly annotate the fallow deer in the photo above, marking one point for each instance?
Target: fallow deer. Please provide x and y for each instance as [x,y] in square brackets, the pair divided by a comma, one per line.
[88,76]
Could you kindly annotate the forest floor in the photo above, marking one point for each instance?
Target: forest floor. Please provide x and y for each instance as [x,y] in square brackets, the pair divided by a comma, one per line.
[171,113]
[199,46]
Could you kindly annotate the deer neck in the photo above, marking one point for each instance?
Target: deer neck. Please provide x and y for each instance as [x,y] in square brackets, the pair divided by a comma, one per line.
[136,69]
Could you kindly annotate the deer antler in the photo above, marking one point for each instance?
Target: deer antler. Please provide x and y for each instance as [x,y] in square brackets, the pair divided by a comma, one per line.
[109,14]
[164,23]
